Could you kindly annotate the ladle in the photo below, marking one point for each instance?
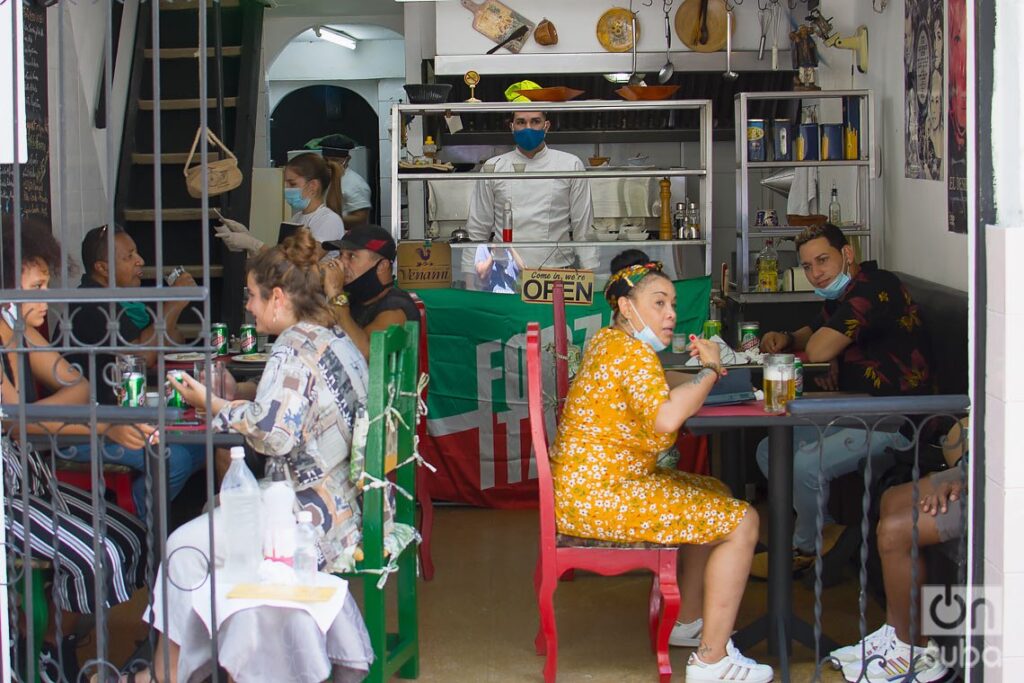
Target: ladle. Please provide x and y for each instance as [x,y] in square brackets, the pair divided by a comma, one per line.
[729,74]
[666,71]
[634,78]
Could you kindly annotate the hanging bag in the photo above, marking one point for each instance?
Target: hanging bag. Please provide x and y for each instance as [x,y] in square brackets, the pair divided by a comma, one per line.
[222,175]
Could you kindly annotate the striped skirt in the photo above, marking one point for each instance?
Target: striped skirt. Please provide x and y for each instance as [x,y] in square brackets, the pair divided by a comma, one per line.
[70,547]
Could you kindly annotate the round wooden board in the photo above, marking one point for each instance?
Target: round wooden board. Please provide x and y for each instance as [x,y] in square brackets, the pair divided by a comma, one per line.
[615,30]
[687,23]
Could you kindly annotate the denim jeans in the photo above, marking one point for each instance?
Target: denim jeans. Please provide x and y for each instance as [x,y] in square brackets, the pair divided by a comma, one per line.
[844,449]
[182,462]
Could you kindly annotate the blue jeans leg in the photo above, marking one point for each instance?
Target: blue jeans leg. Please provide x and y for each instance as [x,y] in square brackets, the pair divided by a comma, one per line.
[182,462]
[842,453]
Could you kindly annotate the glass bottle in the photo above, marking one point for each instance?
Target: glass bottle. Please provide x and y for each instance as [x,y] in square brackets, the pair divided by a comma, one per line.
[429,148]
[835,212]
[692,222]
[679,221]
[768,268]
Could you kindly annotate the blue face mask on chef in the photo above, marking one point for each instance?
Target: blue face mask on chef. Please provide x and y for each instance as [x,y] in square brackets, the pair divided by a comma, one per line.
[529,139]
[646,335]
[293,197]
[835,289]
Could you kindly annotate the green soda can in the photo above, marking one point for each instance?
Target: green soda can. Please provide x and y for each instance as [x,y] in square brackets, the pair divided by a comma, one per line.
[798,371]
[219,339]
[134,390]
[247,341]
[711,328]
[174,397]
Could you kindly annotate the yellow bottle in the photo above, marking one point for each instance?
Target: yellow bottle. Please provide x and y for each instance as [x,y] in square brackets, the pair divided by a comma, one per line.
[768,269]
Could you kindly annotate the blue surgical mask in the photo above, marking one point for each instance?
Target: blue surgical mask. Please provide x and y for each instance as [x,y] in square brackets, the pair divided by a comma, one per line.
[293,197]
[834,289]
[529,139]
[646,335]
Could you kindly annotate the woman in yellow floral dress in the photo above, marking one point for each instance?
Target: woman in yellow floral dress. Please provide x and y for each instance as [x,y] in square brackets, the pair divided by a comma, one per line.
[619,415]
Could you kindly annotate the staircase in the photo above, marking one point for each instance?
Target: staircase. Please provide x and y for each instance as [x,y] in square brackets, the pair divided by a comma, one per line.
[241,28]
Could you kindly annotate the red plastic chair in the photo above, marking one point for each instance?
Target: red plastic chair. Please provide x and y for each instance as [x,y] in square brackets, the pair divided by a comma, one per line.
[422,473]
[560,554]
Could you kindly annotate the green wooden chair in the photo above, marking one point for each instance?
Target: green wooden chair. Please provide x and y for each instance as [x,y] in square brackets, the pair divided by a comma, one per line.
[394,373]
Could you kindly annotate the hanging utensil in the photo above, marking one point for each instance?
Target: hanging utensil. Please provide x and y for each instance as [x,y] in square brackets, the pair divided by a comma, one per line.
[729,74]
[764,19]
[669,69]
[634,78]
[776,24]
[702,35]
[515,35]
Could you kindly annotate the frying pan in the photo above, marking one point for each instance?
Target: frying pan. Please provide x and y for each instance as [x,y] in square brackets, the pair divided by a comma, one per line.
[690,19]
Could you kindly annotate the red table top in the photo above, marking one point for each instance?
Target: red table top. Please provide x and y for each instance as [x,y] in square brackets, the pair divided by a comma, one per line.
[747,409]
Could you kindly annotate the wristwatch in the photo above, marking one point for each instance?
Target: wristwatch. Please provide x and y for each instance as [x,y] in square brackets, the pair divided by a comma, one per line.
[340,300]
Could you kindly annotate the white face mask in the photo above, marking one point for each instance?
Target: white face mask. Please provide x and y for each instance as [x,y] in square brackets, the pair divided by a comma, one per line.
[645,335]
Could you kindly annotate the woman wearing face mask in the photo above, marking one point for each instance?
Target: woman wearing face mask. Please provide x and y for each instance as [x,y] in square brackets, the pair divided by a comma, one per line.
[312,190]
[619,415]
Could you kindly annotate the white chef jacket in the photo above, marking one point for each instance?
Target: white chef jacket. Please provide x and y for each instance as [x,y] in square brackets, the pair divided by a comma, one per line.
[355,192]
[324,223]
[547,209]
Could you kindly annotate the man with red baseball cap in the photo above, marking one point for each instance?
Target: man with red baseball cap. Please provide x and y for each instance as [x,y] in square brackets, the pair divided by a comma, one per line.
[360,285]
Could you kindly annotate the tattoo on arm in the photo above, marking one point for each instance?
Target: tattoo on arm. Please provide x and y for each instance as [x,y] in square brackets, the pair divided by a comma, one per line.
[705,372]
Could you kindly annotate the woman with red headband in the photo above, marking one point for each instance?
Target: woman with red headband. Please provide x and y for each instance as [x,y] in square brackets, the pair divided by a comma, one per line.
[619,415]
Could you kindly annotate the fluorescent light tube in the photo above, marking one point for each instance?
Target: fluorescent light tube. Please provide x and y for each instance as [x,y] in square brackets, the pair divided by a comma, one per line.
[334,36]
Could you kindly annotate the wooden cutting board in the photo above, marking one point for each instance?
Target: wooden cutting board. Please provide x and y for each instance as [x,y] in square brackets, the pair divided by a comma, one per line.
[688,25]
[497,20]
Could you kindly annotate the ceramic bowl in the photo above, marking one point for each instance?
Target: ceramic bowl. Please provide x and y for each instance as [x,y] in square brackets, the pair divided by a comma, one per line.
[606,236]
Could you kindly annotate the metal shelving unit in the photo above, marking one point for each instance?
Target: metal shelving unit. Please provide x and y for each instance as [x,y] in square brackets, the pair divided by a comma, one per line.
[400,112]
[865,168]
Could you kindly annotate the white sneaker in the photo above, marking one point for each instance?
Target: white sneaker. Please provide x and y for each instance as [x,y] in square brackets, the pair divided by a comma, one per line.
[895,664]
[686,635]
[872,643]
[732,667]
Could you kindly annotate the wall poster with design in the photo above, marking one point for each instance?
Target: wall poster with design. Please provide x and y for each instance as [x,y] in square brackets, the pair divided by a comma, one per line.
[924,123]
[956,165]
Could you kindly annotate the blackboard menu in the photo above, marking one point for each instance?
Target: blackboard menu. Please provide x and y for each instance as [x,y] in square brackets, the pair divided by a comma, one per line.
[35,175]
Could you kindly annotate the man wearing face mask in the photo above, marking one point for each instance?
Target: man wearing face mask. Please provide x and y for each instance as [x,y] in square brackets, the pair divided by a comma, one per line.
[360,285]
[871,333]
[545,210]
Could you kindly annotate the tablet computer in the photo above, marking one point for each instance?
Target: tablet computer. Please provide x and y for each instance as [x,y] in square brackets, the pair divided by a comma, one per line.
[735,387]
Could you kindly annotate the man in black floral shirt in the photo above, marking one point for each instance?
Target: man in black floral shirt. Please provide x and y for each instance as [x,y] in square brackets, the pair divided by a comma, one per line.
[871,332]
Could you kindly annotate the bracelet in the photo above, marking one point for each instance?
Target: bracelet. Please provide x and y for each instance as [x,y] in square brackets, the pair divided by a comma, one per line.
[715,367]
[340,300]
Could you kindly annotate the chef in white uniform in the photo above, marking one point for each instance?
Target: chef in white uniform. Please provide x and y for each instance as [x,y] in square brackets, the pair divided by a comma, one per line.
[549,209]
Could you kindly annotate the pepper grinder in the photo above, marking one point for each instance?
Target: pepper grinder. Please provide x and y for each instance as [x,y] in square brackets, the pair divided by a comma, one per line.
[665,227]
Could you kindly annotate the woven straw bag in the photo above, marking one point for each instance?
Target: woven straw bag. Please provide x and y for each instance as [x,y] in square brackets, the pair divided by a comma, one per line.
[222,175]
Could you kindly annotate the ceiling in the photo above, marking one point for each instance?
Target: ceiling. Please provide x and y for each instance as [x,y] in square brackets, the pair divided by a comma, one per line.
[357,31]
[334,8]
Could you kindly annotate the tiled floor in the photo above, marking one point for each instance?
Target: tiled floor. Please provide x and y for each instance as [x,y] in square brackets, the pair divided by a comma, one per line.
[479,616]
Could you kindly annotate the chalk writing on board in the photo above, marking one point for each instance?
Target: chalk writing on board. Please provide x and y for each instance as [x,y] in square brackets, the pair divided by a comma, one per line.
[34,189]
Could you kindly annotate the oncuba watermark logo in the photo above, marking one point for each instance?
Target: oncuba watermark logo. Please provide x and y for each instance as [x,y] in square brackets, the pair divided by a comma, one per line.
[945,610]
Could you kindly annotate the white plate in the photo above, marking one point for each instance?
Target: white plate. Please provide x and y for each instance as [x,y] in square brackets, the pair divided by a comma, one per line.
[637,238]
[252,358]
[187,357]
[606,236]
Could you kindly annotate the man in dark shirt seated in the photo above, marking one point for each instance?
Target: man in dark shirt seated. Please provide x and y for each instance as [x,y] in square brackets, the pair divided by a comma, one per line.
[871,333]
[135,326]
[361,288]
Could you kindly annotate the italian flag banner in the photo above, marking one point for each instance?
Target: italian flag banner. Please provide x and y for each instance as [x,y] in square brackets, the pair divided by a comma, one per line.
[478,423]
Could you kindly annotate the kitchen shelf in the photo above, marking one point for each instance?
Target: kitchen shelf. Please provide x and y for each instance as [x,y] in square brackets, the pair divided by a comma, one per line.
[774,297]
[865,169]
[603,136]
[401,115]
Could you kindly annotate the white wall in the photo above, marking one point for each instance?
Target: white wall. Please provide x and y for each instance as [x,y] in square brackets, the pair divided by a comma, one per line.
[913,212]
[372,59]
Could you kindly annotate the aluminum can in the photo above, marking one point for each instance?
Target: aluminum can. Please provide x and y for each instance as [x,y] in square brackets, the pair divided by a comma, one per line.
[133,386]
[755,140]
[771,218]
[219,339]
[807,142]
[798,368]
[174,397]
[782,140]
[173,276]
[750,336]
[711,328]
[831,141]
[247,340]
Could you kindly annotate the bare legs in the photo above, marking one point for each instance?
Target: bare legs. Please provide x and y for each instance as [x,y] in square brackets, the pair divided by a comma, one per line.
[895,527]
[726,565]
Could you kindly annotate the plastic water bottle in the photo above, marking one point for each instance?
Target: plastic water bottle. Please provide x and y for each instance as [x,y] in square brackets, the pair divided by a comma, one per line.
[305,565]
[279,534]
[241,508]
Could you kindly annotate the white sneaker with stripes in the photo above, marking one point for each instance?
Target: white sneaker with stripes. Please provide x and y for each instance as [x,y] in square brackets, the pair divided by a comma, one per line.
[732,667]
[895,663]
[872,643]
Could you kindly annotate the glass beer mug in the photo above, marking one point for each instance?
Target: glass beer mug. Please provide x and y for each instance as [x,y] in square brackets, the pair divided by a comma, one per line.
[779,382]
